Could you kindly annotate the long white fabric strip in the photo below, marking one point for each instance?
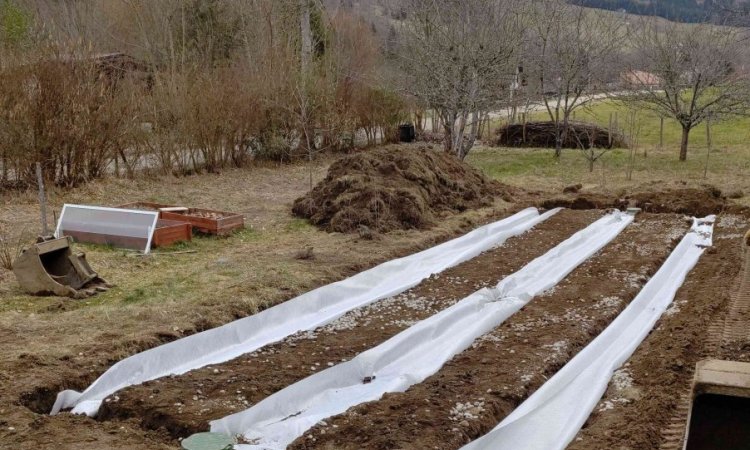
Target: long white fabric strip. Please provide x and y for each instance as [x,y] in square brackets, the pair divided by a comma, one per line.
[305,312]
[553,415]
[417,352]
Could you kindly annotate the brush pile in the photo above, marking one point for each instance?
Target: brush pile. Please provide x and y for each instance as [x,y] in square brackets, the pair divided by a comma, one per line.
[542,134]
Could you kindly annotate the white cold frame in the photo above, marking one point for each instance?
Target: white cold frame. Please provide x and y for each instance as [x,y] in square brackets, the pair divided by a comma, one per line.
[84,220]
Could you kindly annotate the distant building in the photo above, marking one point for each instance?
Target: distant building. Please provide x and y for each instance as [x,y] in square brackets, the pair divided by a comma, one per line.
[640,79]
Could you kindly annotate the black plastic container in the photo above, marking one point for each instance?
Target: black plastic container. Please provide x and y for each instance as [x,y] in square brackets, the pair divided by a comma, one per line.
[406,133]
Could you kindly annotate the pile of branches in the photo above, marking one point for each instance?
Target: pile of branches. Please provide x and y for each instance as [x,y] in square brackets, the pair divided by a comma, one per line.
[542,134]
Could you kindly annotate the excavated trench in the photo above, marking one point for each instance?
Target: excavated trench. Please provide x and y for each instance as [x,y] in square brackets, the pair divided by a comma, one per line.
[479,387]
[476,389]
[184,404]
[543,336]
[704,320]
[719,421]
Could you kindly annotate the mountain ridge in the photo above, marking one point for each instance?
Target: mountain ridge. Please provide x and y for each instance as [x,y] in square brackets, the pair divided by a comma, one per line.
[676,10]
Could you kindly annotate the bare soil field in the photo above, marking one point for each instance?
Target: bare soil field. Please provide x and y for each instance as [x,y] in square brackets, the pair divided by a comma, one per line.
[636,412]
[50,344]
[474,391]
[184,404]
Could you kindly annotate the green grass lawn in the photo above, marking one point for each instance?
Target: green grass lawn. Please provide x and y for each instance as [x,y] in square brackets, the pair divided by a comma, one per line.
[728,165]
[726,134]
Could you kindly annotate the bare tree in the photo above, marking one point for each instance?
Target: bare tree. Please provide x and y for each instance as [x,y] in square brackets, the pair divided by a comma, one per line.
[571,54]
[691,73]
[459,59]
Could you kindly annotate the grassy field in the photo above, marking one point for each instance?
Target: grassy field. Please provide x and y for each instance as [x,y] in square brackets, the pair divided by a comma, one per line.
[728,162]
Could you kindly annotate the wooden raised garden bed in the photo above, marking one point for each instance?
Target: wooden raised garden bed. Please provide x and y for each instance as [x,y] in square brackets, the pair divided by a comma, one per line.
[207,221]
[169,232]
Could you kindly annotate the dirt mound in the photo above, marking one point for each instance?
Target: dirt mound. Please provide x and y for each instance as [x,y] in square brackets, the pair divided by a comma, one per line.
[542,134]
[395,187]
[697,202]
[691,201]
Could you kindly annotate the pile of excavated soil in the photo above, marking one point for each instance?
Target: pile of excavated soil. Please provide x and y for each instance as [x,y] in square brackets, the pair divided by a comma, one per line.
[395,187]
[690,201]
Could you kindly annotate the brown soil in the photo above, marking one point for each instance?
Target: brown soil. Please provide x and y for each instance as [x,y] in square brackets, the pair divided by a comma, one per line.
[159,299]
[184,404]
[690,201]
[395,187]
[479,387]
[52,343]
[662,368]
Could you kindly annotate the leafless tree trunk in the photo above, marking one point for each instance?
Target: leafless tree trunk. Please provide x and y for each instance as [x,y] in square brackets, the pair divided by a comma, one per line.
[688,73]
[571,54]
[459,58]
[306,54]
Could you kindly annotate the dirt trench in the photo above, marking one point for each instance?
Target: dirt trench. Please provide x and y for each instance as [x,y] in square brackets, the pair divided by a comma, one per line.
[182,405]
[636,411]
[479,387]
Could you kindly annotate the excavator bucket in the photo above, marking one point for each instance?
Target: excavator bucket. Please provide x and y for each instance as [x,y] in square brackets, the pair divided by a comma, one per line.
[50,267]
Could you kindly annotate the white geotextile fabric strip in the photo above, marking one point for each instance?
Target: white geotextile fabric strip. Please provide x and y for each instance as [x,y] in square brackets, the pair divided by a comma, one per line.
[551,418]
[305,312]
[415,353]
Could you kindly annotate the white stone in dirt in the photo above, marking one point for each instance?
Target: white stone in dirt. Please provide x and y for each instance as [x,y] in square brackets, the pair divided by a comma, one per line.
[621,379]
[730,236]
[557,349]
[609,302]
[733,221]
[674,308]
[607,405]
[466,411]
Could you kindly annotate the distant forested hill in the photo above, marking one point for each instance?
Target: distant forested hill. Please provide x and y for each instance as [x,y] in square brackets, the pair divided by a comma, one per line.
[679,10]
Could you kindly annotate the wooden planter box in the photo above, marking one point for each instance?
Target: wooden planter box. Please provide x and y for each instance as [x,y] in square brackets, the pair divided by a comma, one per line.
[208,221]
[169,232]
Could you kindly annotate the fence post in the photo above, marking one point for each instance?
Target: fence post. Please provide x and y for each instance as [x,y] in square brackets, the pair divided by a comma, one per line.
[661,133]
[42,198]
[708,145]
